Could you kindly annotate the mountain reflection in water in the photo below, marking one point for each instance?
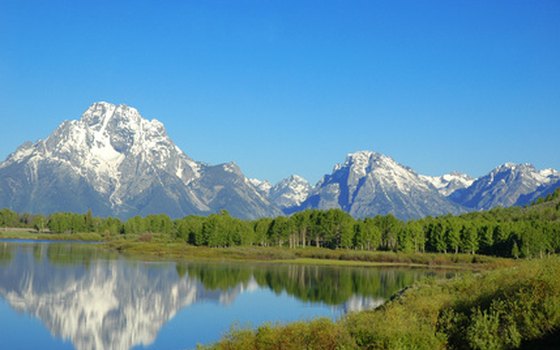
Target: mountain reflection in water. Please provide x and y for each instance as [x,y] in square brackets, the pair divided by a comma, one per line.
[96,301]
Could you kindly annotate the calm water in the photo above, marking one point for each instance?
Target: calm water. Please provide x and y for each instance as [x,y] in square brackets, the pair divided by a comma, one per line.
[71,296]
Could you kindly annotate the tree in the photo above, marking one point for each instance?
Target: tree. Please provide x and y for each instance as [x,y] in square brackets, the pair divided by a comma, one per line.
[302,223]
[159,223]
[453,234]
[366,235]
[469,239]
[280,230]
[89,224]
[418,236]
[389,226]
[436,237]
[39,223]
[8,218]
[134,225]
[485,236]
[404,239]
[109,226]
[60,223]
[189,229]
[261,228]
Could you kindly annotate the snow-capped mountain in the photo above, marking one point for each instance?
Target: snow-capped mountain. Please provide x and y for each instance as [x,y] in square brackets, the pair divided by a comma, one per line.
[115,162]
[449,183]
[505,186]
[286,194]
[290,192]
[263,186]
[369,183]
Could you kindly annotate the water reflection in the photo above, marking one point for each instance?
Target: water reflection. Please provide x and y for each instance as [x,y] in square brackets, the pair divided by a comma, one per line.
[96,301]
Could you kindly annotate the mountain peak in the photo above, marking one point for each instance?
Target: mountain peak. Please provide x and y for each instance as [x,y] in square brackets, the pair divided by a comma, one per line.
[362,156]
[359,161]
[448,183]
[509,166]
[102,116]
[290,192]
[369,183]
[100,112]
[295,178]
[504,186]
[115,162]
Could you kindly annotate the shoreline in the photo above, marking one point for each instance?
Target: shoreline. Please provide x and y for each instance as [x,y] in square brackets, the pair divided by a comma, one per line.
[175,250]
[178,251]
[36,236]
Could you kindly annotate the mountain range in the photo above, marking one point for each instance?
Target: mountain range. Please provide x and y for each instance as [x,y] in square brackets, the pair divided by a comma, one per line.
[117,163]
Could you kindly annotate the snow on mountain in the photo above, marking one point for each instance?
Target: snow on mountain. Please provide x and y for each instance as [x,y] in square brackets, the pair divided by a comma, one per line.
[504,186]
[263,186]
[290,192]
[369,183]
[115,162]
[449,183]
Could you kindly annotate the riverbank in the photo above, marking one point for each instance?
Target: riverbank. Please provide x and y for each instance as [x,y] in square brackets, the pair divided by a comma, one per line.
[161,247]
[35,236]
[308,255]
[514,307]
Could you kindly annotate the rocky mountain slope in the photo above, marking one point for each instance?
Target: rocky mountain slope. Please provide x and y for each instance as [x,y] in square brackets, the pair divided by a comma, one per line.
[449,183]
[507,185]
[369,183]
[115,162]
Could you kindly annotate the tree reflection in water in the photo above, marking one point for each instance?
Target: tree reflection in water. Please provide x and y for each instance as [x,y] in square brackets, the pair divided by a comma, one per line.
[98,300]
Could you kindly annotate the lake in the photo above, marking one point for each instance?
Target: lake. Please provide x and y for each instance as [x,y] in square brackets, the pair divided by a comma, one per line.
[74,296]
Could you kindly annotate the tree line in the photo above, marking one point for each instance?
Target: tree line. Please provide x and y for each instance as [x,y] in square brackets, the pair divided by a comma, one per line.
[512,232]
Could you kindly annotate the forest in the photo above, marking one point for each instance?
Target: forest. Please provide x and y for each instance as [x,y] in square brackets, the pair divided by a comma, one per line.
[517,232]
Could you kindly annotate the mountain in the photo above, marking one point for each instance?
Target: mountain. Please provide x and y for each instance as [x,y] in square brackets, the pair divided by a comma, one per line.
[286,194]
[369,183]
[449,183]
[115,162]
[290,192]
[263,186]
[541,192]
[507,185]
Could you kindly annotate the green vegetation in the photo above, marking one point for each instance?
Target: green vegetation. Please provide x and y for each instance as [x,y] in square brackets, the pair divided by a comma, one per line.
[81,236]
[515,305]
[500,309]
[514,232]
[157,248]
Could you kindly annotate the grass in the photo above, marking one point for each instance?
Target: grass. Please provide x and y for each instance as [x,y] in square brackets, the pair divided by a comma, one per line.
[505,308]
[158,247]
[32,235]
[163,247]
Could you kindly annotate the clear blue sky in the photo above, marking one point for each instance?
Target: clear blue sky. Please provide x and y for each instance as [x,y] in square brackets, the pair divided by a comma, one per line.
[286,87]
